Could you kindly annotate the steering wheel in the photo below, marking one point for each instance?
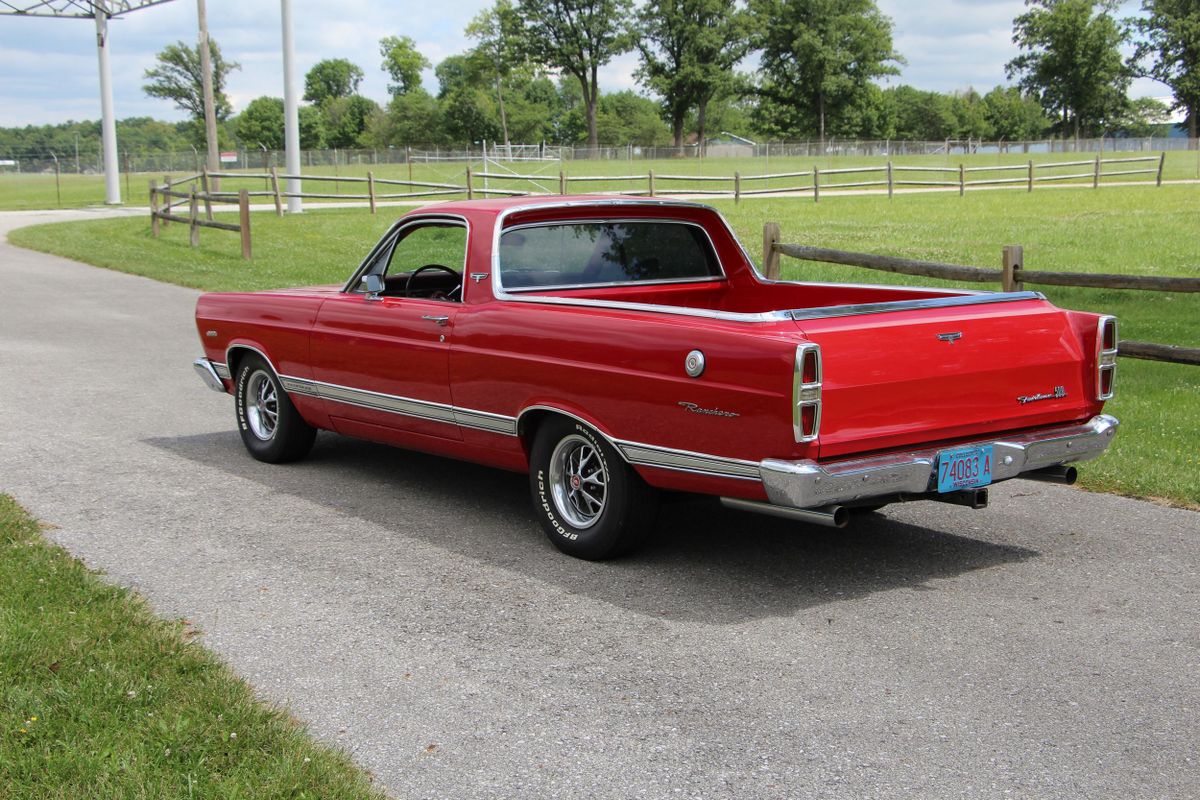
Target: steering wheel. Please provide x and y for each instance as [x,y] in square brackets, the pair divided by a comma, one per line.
[408,284]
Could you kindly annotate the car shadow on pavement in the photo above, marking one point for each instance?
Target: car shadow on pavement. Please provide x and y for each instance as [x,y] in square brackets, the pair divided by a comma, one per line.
[703,562]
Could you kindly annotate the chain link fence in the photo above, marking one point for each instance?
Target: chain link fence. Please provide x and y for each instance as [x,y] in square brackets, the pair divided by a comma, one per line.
[89,163]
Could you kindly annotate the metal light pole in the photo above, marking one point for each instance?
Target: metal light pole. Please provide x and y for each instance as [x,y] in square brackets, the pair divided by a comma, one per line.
[291,111]
[210,112]
[108,125]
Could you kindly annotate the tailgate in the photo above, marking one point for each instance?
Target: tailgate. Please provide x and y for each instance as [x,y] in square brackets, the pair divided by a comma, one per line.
[926,375]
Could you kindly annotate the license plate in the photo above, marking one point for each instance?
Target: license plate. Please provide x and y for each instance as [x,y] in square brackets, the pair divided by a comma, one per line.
[964,468]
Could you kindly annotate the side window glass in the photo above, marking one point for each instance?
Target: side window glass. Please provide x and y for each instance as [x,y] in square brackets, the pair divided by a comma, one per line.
[441,245]
[426,261]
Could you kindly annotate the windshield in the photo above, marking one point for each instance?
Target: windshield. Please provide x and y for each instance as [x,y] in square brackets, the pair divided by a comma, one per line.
[591,253]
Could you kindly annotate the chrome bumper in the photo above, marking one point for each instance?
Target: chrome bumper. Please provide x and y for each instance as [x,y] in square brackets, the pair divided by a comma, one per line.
[210,373]
[807,484]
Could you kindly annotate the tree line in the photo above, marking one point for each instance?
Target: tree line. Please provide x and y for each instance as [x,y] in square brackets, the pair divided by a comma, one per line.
[532,75]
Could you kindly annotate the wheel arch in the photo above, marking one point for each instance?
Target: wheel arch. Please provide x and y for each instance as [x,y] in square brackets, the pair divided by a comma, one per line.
[239,350]
[531,418]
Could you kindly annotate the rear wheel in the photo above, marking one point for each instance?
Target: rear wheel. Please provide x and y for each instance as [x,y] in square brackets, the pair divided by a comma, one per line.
[589,501]
[271,427]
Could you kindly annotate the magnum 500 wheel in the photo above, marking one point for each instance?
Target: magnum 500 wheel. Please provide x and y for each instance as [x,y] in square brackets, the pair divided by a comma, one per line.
[589,501]
[271,428]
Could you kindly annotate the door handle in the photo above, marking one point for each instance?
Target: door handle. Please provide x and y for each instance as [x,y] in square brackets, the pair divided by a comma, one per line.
[440,320]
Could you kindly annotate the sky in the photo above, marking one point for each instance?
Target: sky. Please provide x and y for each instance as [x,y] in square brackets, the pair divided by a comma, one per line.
[49,72]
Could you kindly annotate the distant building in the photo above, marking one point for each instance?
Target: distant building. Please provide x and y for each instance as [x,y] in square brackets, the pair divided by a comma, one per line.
[729,145]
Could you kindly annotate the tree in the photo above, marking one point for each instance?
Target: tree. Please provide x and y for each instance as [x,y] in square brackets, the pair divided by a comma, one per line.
[627,118]
[577,37]
[498,32]
[819,57]
[1013,115]
[403,63]
[1071,61]
[178,77]
[330,78]
[261,123]
[689,49]
[344,119]
[1171,41]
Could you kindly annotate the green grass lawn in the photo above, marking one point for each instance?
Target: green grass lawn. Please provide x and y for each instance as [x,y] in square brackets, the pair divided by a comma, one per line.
[29,191]
[1135,230]
[99,698]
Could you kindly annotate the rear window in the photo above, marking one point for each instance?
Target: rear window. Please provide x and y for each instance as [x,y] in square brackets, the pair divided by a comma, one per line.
[590,253]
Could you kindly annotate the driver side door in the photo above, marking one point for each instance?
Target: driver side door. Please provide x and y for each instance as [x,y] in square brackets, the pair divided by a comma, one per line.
[381,360]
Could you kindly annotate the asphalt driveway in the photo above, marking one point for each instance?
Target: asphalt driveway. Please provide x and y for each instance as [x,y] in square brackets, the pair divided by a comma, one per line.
[409,609]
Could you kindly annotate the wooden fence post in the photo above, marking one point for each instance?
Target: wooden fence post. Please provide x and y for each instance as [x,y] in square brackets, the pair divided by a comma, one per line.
[1162,160]
[153,209]
[1031,174]
[562,182]
[891,182]
[166,199]
[1096,173]
[470,189]
[275,191]
[1014,255]
[651,179]
[816,184]
[204,189]
[770,259]
[371,189]
[244,221]
[737,187]
[408,160]
[962,180]
[194,233]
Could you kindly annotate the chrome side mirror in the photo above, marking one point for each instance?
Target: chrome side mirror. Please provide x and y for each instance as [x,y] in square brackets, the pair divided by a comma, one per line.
[372,285]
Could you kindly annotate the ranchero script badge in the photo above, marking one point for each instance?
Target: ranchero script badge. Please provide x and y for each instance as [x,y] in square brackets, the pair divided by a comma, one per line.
[1059,391]
[712,412]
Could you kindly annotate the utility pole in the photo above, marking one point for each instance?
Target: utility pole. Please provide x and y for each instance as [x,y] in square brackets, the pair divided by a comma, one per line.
[210,113]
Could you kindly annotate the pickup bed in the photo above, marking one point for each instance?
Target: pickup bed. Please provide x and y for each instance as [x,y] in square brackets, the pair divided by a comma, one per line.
[615,347]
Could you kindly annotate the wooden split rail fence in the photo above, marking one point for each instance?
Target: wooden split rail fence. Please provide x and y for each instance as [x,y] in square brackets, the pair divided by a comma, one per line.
[816,180]
[164,208]
[1012,276]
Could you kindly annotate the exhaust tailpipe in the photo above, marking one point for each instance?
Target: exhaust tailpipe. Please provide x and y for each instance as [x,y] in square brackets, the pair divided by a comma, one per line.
[829,516]
[1061,474]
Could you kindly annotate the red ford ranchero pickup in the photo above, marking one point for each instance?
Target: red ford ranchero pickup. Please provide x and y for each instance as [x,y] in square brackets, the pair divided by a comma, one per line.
[615,347]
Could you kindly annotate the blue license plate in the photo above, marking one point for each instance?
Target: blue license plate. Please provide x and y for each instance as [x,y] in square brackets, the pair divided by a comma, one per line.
[964,468]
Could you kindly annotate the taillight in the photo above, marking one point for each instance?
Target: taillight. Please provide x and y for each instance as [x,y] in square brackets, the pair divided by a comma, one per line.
[1106,357]
[806,393]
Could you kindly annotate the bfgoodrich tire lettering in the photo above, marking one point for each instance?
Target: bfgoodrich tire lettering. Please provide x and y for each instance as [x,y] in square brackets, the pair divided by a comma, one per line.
[271,428]
[590,503]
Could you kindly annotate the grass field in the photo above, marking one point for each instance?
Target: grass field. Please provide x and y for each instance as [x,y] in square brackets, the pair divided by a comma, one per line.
[1135,230]
[99,698]
[30,191]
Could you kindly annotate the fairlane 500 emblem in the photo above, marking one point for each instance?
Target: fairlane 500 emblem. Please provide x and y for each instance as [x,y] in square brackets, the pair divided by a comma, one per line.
[1059,392]
[712,412]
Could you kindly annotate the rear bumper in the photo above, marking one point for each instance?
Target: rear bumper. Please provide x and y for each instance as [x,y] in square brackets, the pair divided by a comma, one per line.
[807,484]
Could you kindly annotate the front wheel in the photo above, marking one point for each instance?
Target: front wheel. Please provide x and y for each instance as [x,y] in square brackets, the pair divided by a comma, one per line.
[589,501]
[271,427]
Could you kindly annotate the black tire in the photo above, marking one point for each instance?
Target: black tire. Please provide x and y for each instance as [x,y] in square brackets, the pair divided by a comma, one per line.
[257,395]
[591,504]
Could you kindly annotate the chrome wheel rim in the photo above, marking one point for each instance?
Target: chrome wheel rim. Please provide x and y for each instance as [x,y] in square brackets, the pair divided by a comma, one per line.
[578,481]
[262,406]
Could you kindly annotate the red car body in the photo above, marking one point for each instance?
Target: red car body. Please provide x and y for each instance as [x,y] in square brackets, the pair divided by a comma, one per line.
[811,397]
